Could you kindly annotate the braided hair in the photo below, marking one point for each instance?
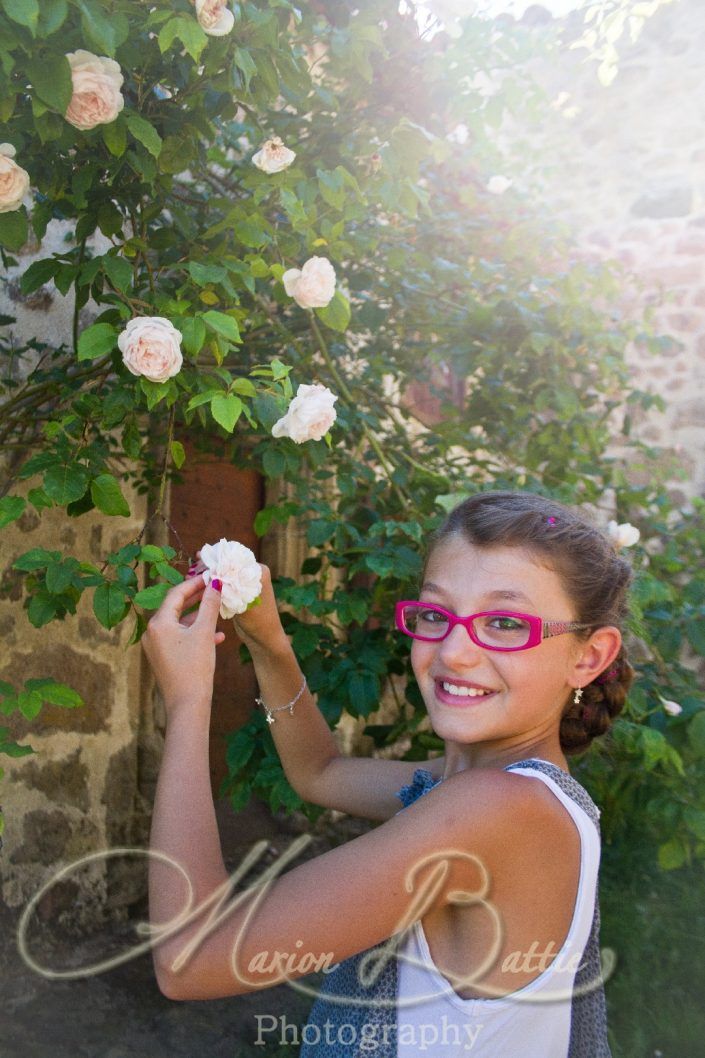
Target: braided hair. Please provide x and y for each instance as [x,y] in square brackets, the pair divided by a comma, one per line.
[593,575]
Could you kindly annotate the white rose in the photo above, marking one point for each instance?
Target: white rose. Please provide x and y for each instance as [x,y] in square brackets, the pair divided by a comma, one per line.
[623,535]
[214,17]
[309,416]
[14,180]
[151,346]
[497,185]
[312,286]
[671,707]
[96,99]
[273,156]
[238,569]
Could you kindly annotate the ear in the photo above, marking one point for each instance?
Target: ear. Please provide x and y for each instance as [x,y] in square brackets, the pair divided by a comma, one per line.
[596,655]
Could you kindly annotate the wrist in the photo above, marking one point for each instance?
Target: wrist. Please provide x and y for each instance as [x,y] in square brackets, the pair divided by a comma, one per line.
[272,651]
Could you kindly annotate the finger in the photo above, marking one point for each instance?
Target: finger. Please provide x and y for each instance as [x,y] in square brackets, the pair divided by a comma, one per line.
[181,596]
[209,610]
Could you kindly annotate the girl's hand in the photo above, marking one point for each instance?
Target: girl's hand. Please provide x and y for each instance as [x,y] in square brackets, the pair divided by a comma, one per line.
[260,627]
[181,649]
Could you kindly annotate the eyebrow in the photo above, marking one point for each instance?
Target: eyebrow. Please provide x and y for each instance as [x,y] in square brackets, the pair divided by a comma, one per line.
[500,593]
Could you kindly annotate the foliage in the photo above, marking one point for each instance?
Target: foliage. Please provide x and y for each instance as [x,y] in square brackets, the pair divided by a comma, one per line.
[606,22]
[520,342]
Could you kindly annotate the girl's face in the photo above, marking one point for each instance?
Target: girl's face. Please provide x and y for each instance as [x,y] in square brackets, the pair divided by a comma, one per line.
[530,687]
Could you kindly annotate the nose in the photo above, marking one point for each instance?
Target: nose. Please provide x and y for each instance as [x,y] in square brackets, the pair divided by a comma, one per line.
[458,647]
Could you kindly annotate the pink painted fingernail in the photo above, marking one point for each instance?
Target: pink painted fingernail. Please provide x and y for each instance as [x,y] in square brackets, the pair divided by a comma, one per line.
[217,584]
[191,572]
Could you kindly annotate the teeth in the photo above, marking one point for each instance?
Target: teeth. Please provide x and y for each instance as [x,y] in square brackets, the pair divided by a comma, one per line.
[463,692]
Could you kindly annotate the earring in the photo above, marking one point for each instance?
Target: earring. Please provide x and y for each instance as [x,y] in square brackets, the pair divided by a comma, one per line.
[577,696]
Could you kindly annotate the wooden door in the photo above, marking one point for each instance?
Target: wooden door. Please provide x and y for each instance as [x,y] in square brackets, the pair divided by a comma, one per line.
[218,500]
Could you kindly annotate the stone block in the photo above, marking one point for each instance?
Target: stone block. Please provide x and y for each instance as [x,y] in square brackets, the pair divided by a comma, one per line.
[664,202]
[691,243]
[63,781]
[685,322]
[93,680]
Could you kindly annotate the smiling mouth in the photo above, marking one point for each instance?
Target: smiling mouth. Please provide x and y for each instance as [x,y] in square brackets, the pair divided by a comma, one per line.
[462,692]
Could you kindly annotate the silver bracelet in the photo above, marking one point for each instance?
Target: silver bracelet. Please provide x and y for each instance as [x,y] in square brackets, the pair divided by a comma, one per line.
[289,705]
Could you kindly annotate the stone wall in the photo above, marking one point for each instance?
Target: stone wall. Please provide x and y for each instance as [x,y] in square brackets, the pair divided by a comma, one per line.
[79,793]
[623,169]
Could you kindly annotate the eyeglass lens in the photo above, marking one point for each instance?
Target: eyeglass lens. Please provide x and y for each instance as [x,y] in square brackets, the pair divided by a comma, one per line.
[497,630]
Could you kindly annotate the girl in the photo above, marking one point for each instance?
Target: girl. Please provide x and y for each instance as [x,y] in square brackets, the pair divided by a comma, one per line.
[468,919]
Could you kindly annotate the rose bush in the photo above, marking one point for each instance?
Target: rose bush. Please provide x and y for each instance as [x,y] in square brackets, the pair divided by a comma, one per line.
[442,288]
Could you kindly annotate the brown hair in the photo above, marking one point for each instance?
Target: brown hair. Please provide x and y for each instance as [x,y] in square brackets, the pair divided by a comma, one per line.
[593,575]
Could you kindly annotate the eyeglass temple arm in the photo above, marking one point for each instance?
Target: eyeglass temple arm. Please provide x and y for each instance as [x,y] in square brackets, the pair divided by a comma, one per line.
[558,628]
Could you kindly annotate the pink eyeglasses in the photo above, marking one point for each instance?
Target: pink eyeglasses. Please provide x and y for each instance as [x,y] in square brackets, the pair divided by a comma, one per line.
[493,629]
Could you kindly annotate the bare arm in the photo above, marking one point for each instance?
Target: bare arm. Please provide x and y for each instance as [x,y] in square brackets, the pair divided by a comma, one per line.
[312,763]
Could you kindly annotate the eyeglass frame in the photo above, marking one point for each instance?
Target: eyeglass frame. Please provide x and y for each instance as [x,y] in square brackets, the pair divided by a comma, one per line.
[539,629]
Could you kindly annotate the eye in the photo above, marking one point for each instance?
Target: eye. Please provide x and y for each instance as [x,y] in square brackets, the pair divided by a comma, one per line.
[508,624]
[432,616]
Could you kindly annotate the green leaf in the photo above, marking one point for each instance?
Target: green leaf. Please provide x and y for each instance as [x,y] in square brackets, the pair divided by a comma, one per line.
[96,341]
[695,631]
[318,531]
[109,604]
[38,274]
[151,598]
[244,387]
[115,137]
[58,577]
[152,553]
[226,409]
[39,499]
[51,80]
[61,694]
[671,854]
[24,12]
[206,273]
[37,558]
[244,62]
[14,228]
[107,496]
[65,483]
[336,314]
[107,33]
[119,271]
[225,325]
[193,333]
[178,454]
[41,609]
[188,31]
[29,704]
[11,508]
[14,749]
[251,233]
[52,16]
[146,133]
[273,462]
[332,187]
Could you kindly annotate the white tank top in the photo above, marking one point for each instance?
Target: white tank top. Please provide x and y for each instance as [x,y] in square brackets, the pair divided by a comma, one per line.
[533,1021]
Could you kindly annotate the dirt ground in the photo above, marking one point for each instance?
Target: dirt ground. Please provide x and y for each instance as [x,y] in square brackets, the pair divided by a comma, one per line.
[121,1013]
